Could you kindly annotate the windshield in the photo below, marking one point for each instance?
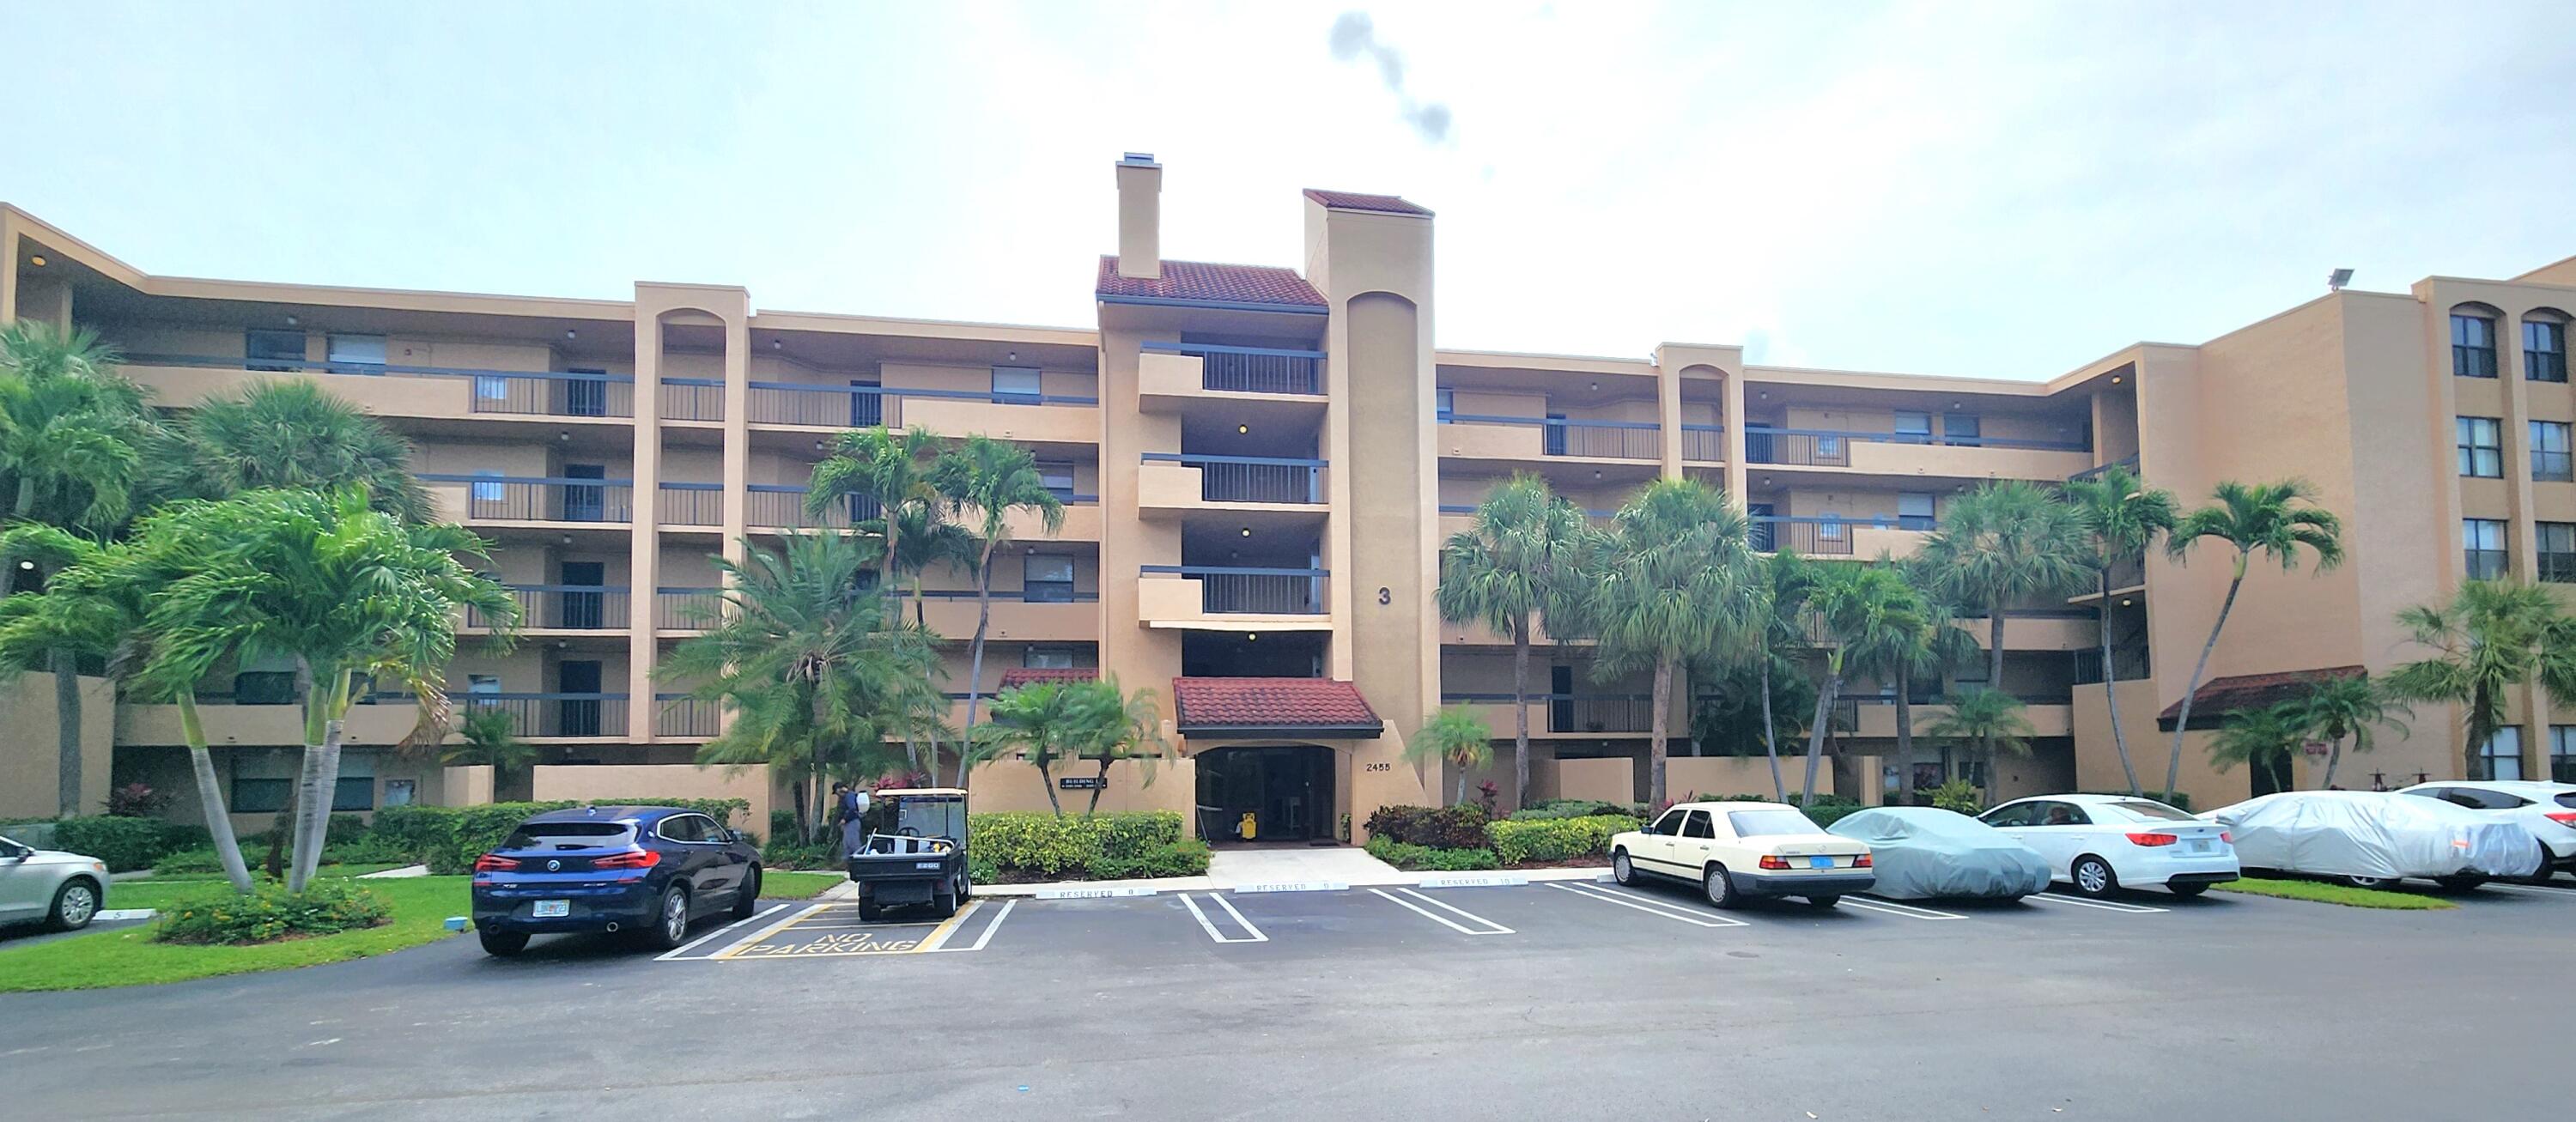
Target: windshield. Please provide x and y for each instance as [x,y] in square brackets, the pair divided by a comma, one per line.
[569,835]
[1765,823]
[2153,810]
[932,818]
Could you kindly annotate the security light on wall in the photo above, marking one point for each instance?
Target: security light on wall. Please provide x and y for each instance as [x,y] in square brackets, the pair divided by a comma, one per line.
[2337,279]
[290,321]
[778,344]
[37,260]
[1242,430]
[569,333]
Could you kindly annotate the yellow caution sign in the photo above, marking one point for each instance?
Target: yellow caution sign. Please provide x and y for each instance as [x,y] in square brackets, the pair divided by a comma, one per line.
[1246,828]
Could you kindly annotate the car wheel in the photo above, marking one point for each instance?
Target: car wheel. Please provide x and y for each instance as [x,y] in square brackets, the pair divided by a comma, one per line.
[671,924]
[2548,873]
[746,899]
[1621,870]
[2464,882]
[2093,877]
[2186,891]
[502,944]
[1823,903]
[2366,882]
[1719,887]
[75,904]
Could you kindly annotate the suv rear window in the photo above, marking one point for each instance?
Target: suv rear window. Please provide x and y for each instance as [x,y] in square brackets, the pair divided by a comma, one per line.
[2568,800]
[2153,810]
[1764,823]
[569,835]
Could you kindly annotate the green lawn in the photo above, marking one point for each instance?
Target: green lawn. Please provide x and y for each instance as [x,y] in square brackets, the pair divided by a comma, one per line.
[2324,893]
[129,956]
[797,886]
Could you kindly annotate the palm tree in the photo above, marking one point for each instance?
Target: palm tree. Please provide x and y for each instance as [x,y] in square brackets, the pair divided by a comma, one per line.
[2125,518]
[986,480]
[1676,576]
[1927,655]
[927,541]
[2491,637]
[1514,571]
[1049,722]
[1125,726]
[816,673]
[891,468]
[1988,721]
[2003,544]
[345,592]
[2263,739]
[2271,519]
[295,434]
[2338,709]
[1874,622]
[1785,581]
[490,739]
[1458,736]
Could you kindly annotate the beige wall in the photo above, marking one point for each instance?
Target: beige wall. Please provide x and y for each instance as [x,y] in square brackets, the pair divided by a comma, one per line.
[587,782]
[1164,784]
[30,761]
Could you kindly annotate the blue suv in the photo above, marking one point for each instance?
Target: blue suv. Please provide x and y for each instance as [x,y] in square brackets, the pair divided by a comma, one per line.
[649,870]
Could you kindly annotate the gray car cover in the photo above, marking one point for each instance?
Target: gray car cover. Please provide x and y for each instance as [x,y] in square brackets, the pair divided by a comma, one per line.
[1920,852]
[2374,834]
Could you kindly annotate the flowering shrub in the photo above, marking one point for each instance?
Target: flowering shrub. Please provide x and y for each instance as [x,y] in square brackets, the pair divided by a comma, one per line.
[271,913]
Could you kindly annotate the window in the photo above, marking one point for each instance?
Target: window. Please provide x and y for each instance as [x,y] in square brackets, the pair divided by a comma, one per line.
[684,828]
[264,687]
[490,387]
[1829,527]
[2062,814]
[1057,479]
[2473,352]
[2549,459]
[2557,542]
[362,351]
[1697,826]
[2147,811]
[273,350]
[2562,755]
[482,689]
[1913,428]
[264,782]
[1016,385]
[2014,814]
[2481,447]
[2501,756]
[2484,540]
[1047,658]
[487,492]
[1670,825]
[1444,403]
[1914,511]
[1961,428]
[2544,350]
[1765,823]
[1047,578]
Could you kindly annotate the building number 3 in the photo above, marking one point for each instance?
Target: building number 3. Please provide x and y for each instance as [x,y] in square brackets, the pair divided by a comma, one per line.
[1384,596]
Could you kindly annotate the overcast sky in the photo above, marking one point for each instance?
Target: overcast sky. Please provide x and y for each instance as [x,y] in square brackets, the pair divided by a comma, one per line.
[2005,190]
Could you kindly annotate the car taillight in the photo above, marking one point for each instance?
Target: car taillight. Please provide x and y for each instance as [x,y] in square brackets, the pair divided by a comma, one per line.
[2153,839]
[2565,818]
[631,859]
[1861,862]
[1775,862]
[490,864]
[2226,838]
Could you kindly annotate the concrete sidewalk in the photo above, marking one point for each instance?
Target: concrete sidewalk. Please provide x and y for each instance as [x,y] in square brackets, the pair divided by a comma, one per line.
[1289,870]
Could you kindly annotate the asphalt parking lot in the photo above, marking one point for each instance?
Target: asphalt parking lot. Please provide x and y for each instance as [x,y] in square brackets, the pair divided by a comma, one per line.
[1550,1001]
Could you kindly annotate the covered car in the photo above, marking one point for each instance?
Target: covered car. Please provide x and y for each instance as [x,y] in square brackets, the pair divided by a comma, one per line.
[2374,837]
[1925,852]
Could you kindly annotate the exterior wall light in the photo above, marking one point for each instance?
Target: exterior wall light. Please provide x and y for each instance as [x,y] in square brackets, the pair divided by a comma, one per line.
[1242,430]
[37,260]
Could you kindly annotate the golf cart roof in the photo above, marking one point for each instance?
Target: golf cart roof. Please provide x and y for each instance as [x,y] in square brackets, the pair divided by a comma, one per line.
[922,792]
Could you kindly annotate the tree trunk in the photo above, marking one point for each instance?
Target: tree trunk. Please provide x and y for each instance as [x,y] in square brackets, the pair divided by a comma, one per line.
[1816,734]
[1663,694]
[210,796]
[1520,714]
[1771,732]
[2110,696]
[331,703]
[804,810]
[281,827]
[1994,663]
[2334,759]
[1096,792]
[1046,779]
[1904,736]
[2182,720]
[67,730]
[983,622]
[2477,731]
[885,572]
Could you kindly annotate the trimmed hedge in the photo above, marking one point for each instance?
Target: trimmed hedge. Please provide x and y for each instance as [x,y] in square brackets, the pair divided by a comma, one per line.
[1431,858]
[126,844]
[1576,808]
[1448,827]
[1555,839]
[1185,858]
[449,838]
[1044,843]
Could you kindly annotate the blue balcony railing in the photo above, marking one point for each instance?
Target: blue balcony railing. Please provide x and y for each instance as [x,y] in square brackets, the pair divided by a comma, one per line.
[2129,461]
[1566,436]
[541,393]
[1229,589]
[1578,712]
[793,403]
[1828,536]
[685,609]
[1764,444]
[506,498]
[551,714]
[680,714]
[1704,443]
[564,607]
[1251,479]
[1251,369]
[692,399]
[692,504]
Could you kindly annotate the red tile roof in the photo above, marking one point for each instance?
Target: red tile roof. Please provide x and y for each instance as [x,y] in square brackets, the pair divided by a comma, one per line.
[1023,675]
[1202,281]
[1352,200]
[2218,697]
[1286,704]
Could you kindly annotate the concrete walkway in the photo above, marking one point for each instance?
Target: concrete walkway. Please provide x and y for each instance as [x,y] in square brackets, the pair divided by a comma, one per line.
[1274,869]
[1341,864]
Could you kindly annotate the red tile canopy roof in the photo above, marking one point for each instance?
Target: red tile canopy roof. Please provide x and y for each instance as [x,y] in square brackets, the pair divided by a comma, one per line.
[1023,675]
[1201,282]
[1317,707]
[1352,200]
[2219,697]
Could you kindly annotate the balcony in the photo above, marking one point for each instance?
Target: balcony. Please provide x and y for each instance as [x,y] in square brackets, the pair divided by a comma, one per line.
[1006,416]
[1050,615]
[781,506]
[678,716]
[378,719]
[2049,714]
[685,609]
[563,607]
[1888,453]
[1476,436]
[401,390]
[502,498]
[1897,536]
[692,399]
[1173,481]
[692,504]
[1704,444]
[1170,373]
[2129,461]
[569,716]
[1566,714]
[1232,598]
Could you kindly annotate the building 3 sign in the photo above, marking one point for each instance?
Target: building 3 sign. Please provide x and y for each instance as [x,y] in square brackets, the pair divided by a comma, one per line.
[1080,782]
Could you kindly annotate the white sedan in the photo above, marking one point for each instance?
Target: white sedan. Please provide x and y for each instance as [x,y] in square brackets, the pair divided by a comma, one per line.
[1734,850]
[2098,843]
[2548,810]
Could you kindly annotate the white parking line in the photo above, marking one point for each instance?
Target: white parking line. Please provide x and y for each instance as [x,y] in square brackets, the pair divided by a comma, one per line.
[792,916]
[693,944]
[1650,907]
[1893,908]
[941,940]
[1496,928]
[1219,900]
[2104,905]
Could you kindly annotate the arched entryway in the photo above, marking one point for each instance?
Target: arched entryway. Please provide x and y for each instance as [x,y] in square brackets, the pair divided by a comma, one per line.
[1283,791]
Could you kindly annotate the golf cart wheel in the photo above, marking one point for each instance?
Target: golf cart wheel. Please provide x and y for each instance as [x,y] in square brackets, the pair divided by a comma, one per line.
[746,898]
[75,904]
[965,886]
[1823,903]
[1621,870]
[943,902]
[2461,882]
[1719,888]
[869,912]
[2092,877]
[670,926]
[2186,891]
[502,944]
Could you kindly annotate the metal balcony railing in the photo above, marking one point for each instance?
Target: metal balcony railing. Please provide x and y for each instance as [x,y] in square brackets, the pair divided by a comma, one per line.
[1764,444]
[692,399]
[1565,436]
[685,609]
[1578,712]
[1243,590]
[2132,663]
[2129,461]
[692,504]
[553,714]
[564,607]
[679,714]
[1704,443]
[1596,517]
[1251,479]
[793,403]
[502,498]
[1821,536]
[538,393]
[781,506]
[1252,369]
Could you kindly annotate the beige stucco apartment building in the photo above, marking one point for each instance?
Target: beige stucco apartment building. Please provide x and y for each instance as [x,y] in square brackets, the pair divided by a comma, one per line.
[1260,463]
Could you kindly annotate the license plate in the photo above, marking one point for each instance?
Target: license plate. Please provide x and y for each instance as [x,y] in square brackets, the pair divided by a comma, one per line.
[2200,845]
[1820,862]
[930,865]
[552,909]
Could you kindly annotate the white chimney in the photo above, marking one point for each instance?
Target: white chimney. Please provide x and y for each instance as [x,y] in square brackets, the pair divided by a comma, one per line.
[1140,217]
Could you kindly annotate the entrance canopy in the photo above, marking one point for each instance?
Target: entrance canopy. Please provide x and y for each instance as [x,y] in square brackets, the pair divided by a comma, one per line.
[2219,697]
[1285,708]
